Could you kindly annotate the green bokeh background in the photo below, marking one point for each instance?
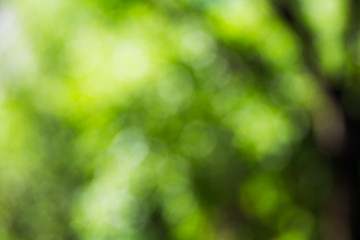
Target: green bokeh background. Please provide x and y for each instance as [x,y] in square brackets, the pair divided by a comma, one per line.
[164,119]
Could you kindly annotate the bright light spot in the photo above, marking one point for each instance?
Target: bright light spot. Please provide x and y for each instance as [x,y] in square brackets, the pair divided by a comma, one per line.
[106,204]
[9,30]
[130,61]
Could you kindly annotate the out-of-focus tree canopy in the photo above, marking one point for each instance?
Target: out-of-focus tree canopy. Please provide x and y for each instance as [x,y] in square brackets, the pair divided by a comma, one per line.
[177,120]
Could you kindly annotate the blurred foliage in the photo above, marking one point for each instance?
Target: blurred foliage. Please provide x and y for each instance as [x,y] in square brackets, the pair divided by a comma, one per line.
[162,119]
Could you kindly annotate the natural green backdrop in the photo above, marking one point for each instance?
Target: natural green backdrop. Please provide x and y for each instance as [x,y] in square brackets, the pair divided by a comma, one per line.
[178,119]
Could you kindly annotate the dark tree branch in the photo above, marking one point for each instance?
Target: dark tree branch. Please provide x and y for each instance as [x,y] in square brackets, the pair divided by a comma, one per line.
[345,164]
[289,13]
